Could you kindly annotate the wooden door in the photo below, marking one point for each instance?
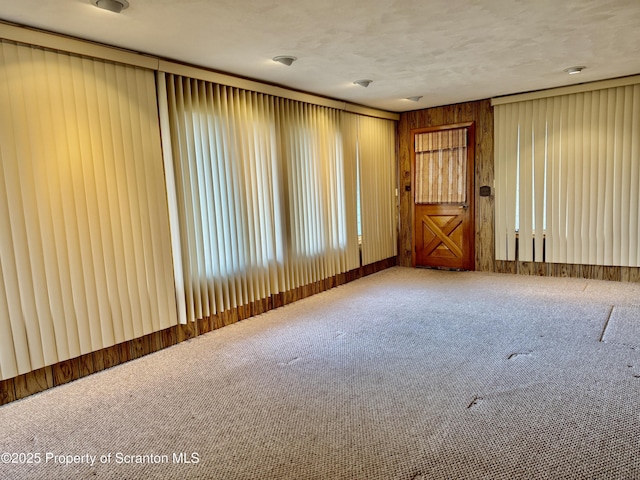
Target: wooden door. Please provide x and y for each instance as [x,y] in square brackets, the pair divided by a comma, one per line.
[442,185]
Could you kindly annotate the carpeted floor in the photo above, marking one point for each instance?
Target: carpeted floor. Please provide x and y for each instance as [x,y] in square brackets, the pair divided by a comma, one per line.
[406,374]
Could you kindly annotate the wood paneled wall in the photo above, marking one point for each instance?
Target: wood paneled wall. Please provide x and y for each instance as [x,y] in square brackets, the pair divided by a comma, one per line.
[481,113]
[64,372]
[594,272]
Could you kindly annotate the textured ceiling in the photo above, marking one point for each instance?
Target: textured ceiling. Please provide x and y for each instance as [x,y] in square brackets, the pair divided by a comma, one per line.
[447,51]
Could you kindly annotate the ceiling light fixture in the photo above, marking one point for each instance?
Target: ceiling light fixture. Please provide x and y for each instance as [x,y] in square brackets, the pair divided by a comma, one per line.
[112,5]
[574,70]
[363,83]
[415,98]
[285,59]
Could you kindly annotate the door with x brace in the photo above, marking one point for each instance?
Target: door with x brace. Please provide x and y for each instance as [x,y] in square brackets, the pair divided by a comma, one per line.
[443,167]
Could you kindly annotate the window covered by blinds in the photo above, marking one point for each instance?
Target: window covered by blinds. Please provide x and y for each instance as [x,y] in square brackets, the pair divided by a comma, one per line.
[568,174]
[264,196]
[85,257]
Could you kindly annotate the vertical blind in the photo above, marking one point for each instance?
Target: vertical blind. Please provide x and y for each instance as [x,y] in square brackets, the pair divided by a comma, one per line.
[349,132]
[378,202]
[85,256]
[263,199]
[257,195]
[568,175]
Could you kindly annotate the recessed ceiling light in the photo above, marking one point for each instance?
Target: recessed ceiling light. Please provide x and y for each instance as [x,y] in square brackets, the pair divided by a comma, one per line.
[415,98]
[363,83]
[574,70]
[112,5]
[285,59]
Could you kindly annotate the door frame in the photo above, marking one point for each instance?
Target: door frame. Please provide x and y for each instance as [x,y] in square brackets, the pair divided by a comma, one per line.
[471,174]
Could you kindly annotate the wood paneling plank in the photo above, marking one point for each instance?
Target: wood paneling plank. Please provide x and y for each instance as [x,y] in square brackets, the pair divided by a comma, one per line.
[111,356]
[206,325]
[232,317]
[65,372]
[505,266]
[125,353]
[169,336]
[98,360]
[276,300]
[155,342]
[31,383]
[218,321]
[187,331]
[540,269]
[137,347]
[630,274]
[612,274]
[85,365]
[7,391]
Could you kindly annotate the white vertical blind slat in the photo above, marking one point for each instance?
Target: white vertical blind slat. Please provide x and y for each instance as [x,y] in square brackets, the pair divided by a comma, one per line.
[539,184]
[14,347]
[179,148]
[634,200]
[584,142]
[618,177]
[118,186]
[626,172]
[610,176]
[244,243]
[602,177]
[32,185]
[350,140]
[79,240]
[142,83]
[512,179]
[199,188]
[158,192]
[253,160]
[553,199]
[112,313]
[140,238]
[21,219]
[90,147]
[526,193]
[44,179]
[592,192]
[172,203]
[211,289]
[563,156]
[574,200]
[499,183]
[218,245]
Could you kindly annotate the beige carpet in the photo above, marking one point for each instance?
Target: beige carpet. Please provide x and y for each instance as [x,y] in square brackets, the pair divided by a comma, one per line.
[406,374]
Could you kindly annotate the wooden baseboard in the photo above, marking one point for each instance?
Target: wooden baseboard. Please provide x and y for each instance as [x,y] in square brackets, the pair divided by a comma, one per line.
[42,379]
[594,272]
